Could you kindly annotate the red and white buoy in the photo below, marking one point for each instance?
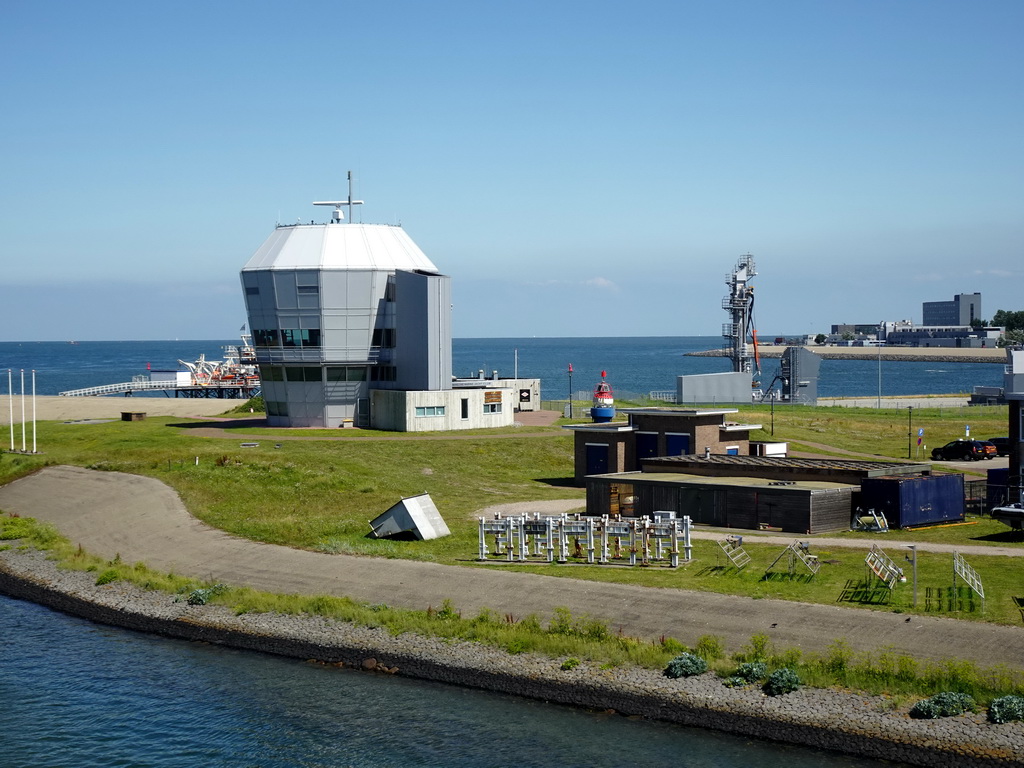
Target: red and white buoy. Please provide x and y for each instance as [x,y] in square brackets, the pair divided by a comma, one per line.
[604,402]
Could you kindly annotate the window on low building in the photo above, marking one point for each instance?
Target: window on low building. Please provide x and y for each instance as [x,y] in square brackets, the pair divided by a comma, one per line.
[429,410]
[492,407]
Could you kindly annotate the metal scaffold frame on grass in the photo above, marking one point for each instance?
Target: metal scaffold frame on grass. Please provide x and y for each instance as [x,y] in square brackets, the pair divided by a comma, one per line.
[882,566]
[797,551]
[643,541]
[970,577]
[733,548]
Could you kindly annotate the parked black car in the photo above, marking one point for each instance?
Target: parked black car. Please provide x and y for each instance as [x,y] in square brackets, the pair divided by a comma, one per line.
[1002,445]
[963,450]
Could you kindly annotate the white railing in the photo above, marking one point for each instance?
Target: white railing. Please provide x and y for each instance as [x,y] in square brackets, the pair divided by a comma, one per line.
[137,386]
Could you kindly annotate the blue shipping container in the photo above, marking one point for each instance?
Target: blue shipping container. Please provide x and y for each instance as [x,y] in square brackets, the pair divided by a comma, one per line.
[908,502]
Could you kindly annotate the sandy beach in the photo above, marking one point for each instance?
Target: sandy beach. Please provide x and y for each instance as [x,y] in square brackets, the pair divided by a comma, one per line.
[55,408]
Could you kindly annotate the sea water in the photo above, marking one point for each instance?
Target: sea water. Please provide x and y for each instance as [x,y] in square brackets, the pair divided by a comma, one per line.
[91,696]
[635,366]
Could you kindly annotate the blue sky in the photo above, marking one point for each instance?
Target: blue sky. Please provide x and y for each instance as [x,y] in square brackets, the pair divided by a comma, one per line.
[578,168]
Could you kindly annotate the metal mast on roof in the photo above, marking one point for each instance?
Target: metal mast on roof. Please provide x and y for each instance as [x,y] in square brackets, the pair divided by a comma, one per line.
[337,217]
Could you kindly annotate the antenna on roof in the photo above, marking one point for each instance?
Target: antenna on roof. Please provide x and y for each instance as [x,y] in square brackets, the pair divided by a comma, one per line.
[337,217]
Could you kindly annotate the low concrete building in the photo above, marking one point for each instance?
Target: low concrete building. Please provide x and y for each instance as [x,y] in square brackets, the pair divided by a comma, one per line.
[525,392]
[730,387]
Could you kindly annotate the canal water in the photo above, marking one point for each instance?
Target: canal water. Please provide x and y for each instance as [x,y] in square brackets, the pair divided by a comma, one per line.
[90,696]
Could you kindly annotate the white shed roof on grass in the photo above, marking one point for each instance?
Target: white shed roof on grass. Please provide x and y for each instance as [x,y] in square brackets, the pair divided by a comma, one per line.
[340,246]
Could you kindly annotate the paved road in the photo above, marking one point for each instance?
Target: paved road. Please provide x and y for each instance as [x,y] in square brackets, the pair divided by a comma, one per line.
[142,519]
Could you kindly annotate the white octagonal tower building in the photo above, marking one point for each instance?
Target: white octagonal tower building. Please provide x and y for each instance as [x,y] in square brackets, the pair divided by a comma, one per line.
[352,327]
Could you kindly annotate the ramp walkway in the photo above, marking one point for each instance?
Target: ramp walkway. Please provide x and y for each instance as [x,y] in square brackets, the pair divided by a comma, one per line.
[142,519]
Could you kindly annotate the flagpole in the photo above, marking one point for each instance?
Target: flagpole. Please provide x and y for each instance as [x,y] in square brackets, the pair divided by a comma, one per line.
[33,410]
[23,410]
[10,404]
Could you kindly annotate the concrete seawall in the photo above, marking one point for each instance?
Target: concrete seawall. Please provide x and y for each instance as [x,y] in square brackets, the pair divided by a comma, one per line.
[889,354]
[838,721]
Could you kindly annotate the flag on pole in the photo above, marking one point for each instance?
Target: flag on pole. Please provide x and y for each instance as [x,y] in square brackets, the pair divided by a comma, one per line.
[570,367]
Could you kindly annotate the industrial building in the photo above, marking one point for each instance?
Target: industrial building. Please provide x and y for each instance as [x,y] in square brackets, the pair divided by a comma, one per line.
[804,496]
[351,325]
[621,446]
[963,310]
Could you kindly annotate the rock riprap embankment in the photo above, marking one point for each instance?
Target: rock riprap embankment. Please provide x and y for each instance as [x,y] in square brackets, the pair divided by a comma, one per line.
[825,719]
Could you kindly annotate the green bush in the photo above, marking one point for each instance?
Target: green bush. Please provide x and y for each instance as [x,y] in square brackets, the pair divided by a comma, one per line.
[106,577]
[671,645]
[759,648]
[202,596]
[752,671]
[734,682]
[571,663]
[710,647]
[945,704]
[686,665]
[782,681]
[1006,709]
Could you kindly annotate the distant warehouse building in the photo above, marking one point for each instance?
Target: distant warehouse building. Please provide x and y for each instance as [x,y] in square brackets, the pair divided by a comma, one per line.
[352,327]
[963,310]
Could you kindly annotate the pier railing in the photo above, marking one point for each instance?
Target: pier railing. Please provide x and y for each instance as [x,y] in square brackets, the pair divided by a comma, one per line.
[126,387]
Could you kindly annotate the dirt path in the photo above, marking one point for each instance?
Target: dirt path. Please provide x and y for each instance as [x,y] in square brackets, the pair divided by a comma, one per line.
[141,519]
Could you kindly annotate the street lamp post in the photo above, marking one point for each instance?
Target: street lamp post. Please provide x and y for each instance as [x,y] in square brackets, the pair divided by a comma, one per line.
[570,390]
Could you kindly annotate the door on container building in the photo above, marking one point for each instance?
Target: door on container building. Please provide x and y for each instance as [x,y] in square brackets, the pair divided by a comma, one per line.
[701,505]
[597,458]
[677,444]
[646,446]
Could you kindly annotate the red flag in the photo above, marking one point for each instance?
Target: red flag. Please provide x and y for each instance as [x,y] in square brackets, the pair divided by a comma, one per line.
[570,367]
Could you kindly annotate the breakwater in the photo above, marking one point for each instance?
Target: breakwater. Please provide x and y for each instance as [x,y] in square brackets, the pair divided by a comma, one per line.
[888,355]
[825,719]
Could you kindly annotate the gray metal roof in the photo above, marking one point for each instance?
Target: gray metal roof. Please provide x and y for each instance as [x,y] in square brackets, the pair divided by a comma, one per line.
[682,478]
[872,468]
[340,246]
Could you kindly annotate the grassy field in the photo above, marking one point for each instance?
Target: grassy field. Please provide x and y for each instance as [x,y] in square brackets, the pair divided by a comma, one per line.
[320,491]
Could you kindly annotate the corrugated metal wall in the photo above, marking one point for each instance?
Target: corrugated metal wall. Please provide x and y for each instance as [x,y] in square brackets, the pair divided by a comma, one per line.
[795,510]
